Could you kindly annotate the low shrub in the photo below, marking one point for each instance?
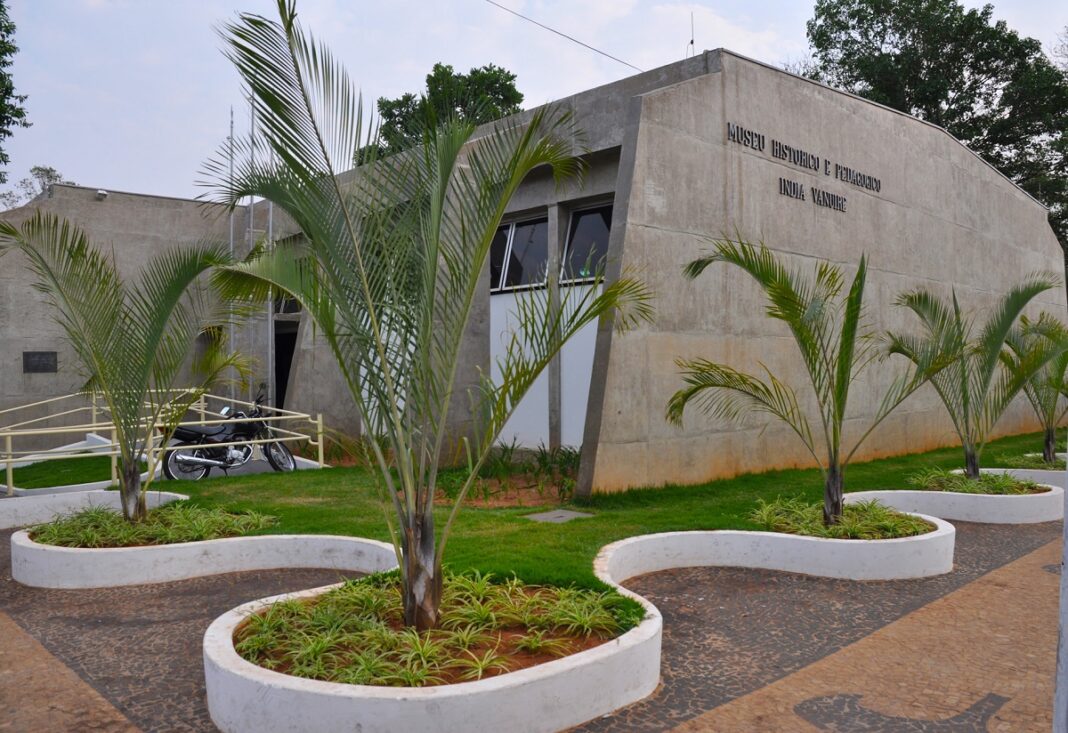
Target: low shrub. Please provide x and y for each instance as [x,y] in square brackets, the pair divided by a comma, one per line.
[1032,461]
[939,479]
[354,633]
[867,520]
[169,524]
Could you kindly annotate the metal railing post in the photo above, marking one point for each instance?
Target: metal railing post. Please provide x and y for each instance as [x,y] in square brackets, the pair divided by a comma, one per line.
[93,413]
[10,465]
[114,458]
[319,437]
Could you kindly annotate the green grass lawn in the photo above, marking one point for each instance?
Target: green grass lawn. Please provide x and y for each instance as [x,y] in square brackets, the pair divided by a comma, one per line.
[345,501]
[62,472]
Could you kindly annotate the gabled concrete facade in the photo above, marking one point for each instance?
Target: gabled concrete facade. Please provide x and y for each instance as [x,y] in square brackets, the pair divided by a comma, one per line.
[716,144]
[926,211]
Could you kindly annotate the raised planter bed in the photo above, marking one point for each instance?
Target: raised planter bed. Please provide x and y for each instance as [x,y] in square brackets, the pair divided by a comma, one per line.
[561,693]
[907,557]
[1047,506]
[41,506]
[49,566]
[548,697]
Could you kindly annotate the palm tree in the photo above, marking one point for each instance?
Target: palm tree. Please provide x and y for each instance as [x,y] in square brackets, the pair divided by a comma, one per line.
[978,387]
[391,266]
[131,341]
[835,350]
[1046,389]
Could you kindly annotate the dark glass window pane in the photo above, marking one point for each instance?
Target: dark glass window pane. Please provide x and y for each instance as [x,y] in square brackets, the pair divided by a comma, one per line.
[530,253]
[498,249]
[587,243]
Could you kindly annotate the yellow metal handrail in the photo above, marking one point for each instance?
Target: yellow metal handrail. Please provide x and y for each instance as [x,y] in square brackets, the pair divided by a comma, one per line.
[155,449]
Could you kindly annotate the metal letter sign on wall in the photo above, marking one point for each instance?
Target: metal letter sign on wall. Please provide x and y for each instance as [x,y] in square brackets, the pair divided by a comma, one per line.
[39,362]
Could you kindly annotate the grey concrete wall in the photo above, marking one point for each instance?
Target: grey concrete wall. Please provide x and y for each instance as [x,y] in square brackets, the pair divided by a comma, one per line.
[135,228]
[942,218]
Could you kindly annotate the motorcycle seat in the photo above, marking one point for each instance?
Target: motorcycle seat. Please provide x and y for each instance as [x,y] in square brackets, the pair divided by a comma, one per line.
[205,430]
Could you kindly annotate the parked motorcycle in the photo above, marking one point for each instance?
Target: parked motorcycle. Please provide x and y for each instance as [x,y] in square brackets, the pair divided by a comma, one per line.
[198,449]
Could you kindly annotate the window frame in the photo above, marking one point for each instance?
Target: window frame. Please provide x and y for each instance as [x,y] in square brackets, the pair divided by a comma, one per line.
[499,288]
[567,242]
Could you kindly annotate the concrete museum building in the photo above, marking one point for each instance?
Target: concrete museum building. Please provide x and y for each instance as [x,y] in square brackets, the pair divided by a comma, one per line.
[714,145]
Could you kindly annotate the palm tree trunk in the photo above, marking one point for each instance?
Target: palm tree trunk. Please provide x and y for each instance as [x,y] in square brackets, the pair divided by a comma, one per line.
[971,463]
[423,582]
[833,498]
[134,507]
[1049,446]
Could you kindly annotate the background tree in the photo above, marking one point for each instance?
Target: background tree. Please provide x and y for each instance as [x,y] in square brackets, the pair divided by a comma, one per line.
[131,339]
[986,85]
[12,113]
[483,94]
[835,348]
[391,266]
[32,186]
[977,386]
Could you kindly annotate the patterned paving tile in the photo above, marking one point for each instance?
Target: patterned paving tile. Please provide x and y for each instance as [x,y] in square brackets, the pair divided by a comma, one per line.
[140,647]
[728,631]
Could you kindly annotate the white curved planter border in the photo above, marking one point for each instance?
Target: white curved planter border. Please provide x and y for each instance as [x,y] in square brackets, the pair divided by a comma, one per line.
[50,566]
[986,508]
[23,511]
[548,697]
[906,557]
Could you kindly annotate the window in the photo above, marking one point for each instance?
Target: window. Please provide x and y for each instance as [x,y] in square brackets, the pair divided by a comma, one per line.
[587,243]
[519,255]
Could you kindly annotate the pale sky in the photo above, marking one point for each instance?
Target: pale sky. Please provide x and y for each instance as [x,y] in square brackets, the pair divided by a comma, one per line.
[134,95]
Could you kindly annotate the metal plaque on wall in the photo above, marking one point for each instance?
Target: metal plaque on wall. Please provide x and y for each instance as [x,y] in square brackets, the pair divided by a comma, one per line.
[39,362]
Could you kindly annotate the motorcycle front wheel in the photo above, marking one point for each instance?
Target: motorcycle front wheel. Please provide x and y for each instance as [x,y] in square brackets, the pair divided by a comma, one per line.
[175,470]
[280,457]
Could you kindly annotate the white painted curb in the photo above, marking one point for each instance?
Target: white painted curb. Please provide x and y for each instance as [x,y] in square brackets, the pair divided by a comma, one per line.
[23,511]
[985,508]
[541,699]
[906,557]
[50,566]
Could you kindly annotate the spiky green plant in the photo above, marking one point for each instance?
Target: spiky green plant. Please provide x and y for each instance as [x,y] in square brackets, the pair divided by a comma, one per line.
[130,339]
[835,349]
[978,385]
[391,265]
[1046,388]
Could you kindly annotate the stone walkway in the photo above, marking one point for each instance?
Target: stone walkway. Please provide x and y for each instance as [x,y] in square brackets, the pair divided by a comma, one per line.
[744,650]
[138,648]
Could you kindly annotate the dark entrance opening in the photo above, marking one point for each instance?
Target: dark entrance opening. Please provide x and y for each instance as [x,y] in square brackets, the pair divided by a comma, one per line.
[285,343]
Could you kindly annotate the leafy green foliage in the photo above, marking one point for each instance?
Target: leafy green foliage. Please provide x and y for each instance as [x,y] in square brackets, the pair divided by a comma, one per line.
[939,479]
[41,178]
[1033,461]
[834,347]
[980,381]
[986,85]
[354,633]
[169,524]
[866,520]
[12,113]
[484,94]
[390,268]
